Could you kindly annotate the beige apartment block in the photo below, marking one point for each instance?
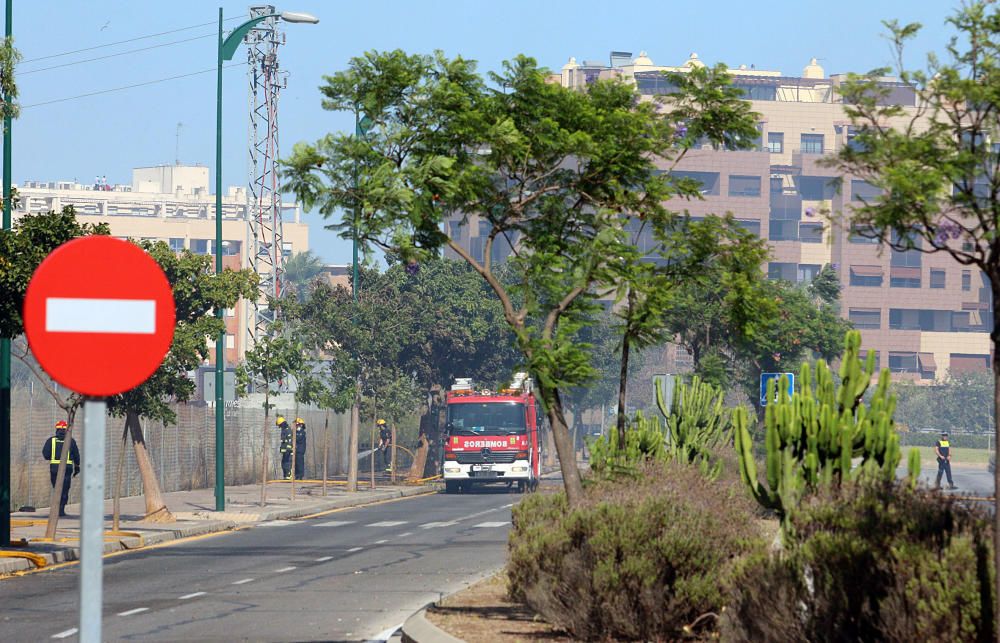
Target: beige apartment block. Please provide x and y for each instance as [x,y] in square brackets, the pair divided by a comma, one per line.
[173,204]
[923,314]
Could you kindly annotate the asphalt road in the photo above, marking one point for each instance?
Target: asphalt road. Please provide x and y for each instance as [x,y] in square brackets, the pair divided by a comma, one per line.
[353,575]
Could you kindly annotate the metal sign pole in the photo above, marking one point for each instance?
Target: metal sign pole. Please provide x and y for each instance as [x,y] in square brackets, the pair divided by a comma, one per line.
[92,521]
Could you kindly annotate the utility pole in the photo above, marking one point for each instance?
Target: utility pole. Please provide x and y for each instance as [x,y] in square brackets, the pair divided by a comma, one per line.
[5,341]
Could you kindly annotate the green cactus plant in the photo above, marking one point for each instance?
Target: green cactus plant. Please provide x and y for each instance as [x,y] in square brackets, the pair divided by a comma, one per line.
[813,435]
[697,422]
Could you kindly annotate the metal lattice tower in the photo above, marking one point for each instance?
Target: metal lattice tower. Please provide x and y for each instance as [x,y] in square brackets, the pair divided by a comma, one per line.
[265,244]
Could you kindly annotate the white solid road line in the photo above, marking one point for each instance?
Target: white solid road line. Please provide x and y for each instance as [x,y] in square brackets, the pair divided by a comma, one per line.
[65,633]
[192,595]
[135,611]
[484,525]
[127,316]
[388,523]
[323,559]
[354,549]
[245,580]
[284,569]
[334,523]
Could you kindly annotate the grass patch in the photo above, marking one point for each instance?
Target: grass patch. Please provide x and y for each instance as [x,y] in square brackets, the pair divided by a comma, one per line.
[958,455]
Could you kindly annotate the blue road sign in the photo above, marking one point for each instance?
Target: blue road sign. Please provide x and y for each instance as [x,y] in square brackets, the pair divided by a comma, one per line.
[765,377]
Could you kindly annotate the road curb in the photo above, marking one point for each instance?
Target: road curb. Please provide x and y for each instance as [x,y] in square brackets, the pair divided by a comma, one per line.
[200,524]
[417,629]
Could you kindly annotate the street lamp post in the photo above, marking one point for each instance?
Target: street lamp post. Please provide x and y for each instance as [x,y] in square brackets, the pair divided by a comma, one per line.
[226,49]
[4,341]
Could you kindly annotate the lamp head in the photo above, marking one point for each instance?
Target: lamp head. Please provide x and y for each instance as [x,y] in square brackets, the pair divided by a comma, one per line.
[297,16]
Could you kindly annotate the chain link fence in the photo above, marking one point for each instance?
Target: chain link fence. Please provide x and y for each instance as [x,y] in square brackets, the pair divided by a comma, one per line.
[183,454]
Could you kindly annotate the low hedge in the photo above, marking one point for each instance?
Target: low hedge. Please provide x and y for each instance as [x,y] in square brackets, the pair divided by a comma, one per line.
[959,440]
[879,562]
[642,559]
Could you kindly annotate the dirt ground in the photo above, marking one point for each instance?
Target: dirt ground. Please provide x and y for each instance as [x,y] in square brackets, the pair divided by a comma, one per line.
[482,614]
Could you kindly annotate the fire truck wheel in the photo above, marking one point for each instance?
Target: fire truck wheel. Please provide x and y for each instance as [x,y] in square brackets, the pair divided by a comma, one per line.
[451,487]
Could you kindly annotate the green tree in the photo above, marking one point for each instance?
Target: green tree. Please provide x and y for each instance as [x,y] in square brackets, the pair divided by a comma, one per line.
[198,292]
[9,58]
[300,270]
[22,249]
[275,357]
[553,173]
[962,402]
[937,169]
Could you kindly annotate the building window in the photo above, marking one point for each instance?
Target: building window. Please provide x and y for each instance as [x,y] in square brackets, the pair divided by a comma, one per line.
[811,232]
[864,191]
[783,230]
[937,278]
[904,277]
[775,142]
[176,244]
[965,363]
[785,271]
[230,341]
[750,225]
[862,235]
[709,181]
[865,317]
[231,248]
[744,185]
[903,362]
[906,258]
[812,143]
[817,188]
[966,280]
[286,249]
[927,320]
[807,272]
[202,246]
[866,276]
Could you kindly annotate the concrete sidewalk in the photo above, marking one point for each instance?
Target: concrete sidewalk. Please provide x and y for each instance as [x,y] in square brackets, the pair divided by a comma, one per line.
[195,514]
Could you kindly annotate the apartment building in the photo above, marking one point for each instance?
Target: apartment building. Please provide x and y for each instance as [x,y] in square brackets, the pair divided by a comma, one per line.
[923,314]
[170,203]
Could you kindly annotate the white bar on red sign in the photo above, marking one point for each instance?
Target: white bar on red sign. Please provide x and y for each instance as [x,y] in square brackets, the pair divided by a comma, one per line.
[125,316]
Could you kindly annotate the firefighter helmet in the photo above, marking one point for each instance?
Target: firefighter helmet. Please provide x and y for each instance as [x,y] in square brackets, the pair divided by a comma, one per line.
[380,422]
[300,421]
[279,420]
[62,425]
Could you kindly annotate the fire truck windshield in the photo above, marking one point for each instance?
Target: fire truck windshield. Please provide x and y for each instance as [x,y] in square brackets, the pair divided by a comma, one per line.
[489,418]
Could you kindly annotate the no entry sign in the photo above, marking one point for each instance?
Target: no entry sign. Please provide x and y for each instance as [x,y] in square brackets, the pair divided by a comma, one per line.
[99,315]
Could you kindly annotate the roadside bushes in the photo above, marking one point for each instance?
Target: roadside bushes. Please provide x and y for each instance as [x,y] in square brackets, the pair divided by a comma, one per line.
[876,561]
[643,558]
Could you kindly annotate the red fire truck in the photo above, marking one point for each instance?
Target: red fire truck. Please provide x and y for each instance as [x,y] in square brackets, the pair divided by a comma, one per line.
[491,437]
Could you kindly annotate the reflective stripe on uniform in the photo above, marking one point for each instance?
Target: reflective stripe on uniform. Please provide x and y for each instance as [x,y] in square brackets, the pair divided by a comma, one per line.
[54,458]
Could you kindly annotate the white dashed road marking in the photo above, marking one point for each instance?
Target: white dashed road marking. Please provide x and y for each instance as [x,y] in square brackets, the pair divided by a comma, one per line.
[245,580]
[276,523]
[435,525]
[388,523]
[135,611]
[380,542]
[192,595]
[354,549]
[405,534]
[283,569]
[490,524]
[334,523]
[65,633]
[324,559]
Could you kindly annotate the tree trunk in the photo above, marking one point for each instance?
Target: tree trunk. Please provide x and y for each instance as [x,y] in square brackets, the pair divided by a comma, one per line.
[995,337]
[564,445]
[352,445]
[326,447]
[156,509]
[374,421]
[263,458]
[622,386]
[56,497]
[116,511]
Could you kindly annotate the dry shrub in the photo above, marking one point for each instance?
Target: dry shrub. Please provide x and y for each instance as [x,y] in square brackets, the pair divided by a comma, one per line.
[878,562]
[640,560]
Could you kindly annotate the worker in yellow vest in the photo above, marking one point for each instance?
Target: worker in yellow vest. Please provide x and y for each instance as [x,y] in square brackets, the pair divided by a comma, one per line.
[52,451]
[943,452]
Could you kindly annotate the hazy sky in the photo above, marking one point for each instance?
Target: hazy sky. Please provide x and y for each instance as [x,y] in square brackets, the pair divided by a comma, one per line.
[110,133]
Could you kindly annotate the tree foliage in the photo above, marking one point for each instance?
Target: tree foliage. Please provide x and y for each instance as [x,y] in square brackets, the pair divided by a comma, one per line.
[961,402]
[554,174]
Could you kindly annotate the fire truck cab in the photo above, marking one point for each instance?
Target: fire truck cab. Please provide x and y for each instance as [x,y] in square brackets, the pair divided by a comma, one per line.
[491,437]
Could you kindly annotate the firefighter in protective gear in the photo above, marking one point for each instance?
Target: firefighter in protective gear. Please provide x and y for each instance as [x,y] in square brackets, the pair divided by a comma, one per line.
[385,444]
[286,446]
[52,451]
[300,449]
